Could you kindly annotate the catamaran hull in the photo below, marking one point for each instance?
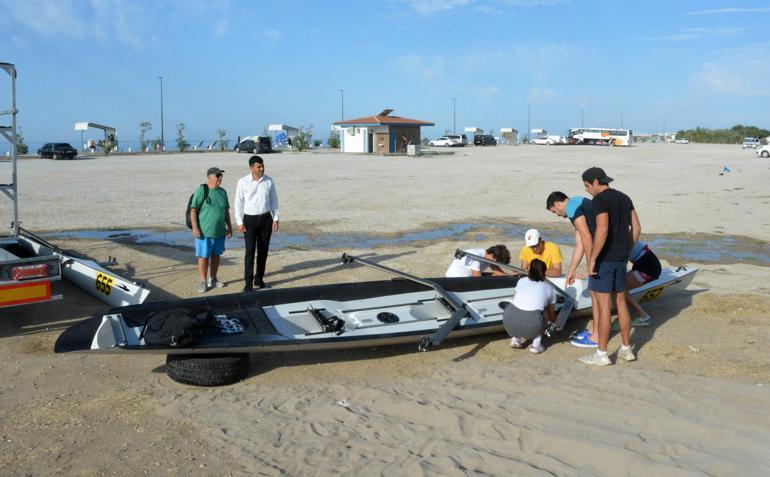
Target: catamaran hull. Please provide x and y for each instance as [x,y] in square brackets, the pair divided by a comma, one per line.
[286,320]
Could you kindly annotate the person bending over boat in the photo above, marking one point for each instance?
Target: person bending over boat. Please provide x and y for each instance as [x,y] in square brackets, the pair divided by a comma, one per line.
[467,267]
[533,304]
[537,248]
[645,267]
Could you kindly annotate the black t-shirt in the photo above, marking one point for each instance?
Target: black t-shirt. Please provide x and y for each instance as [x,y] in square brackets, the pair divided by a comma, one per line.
[618,206]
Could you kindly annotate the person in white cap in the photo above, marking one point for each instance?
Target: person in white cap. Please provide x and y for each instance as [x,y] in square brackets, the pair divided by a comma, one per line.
[537,248]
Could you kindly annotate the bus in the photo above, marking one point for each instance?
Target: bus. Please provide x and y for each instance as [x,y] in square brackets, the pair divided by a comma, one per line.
[601,136]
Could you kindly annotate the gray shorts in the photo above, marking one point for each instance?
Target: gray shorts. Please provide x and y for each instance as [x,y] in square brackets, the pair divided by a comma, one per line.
[523,324]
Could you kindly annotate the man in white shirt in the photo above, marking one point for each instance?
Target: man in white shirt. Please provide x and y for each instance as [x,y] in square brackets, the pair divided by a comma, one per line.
[256,214]
[467,267]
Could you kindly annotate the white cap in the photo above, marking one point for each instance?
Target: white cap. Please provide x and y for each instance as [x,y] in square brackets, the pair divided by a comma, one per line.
[531,237]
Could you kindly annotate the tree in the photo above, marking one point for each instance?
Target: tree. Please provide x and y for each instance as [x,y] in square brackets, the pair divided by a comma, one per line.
[302,141]
[21,147]
[181,143]
[144,126]
[334,139]
[108,144]
[223,143]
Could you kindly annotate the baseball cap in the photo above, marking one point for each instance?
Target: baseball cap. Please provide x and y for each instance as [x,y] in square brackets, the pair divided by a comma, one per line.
[214,170]
[531,238]
[596,174]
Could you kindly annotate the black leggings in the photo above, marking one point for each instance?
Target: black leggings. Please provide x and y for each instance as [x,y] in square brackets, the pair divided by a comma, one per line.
[259,228]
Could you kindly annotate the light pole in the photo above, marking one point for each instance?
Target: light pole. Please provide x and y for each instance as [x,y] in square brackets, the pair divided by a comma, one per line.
[581,117]
[342,105]
[454,116]
[529,111]
[162,131]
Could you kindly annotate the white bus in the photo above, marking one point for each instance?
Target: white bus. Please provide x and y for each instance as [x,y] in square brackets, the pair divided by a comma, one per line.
[602,136]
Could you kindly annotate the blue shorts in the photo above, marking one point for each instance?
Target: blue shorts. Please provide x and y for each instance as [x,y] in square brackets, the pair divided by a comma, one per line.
[206,247]
[611,277]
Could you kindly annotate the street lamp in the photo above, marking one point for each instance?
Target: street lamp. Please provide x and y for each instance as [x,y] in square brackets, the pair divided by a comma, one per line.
[581,117]
[162,132]
[342,104]
[454,116]
[529,111]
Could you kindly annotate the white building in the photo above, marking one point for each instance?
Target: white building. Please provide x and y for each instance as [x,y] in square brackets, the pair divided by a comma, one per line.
[380,134]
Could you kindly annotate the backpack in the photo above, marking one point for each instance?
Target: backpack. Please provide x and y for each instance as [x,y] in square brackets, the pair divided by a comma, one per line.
[187,219]
[177,327]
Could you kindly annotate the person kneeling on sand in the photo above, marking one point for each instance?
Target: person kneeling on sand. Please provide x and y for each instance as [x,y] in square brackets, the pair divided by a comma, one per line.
[468,267]
[537,248]
[645,267]
[533,304]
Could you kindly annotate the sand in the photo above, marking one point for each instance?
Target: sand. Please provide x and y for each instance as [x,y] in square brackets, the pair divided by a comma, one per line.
[695,402]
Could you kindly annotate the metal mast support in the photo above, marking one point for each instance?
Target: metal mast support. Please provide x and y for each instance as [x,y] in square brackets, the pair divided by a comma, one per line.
[11,190]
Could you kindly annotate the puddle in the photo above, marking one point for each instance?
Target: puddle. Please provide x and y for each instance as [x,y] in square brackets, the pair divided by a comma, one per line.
[702,248]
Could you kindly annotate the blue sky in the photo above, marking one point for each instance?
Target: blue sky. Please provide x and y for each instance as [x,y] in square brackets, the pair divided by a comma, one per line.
[241,65]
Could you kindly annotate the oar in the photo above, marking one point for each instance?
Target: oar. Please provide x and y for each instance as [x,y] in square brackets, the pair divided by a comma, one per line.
[452,301]
[564,311]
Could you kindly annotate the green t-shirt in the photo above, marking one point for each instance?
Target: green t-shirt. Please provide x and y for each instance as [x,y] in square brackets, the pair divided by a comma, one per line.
[211,215]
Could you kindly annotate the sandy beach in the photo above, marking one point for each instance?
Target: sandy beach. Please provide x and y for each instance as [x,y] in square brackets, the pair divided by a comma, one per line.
[694,403]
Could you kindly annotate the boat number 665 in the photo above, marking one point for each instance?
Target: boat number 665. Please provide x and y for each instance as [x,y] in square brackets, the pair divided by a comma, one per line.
[103,283]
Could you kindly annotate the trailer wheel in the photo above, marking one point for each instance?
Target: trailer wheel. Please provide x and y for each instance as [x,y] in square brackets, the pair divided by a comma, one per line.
[207,369]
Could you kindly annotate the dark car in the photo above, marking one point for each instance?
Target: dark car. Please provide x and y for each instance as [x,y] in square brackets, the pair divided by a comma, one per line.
[264,145]
[57,150]
[484,140]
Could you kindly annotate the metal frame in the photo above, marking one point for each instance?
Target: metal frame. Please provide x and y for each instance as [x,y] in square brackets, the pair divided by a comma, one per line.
[11,190]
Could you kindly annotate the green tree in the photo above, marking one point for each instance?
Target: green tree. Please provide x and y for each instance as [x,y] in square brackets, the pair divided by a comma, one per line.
[223,143]
[108,144]
[181,143]
[304,136]
[21,147]
[144,126]
[334,139]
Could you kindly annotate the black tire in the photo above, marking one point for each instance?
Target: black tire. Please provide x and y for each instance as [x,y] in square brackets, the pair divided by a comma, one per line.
[765,154]
[207,369]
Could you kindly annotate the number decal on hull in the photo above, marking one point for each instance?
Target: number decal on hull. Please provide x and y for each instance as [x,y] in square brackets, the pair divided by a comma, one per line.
[651,294]
[104,283]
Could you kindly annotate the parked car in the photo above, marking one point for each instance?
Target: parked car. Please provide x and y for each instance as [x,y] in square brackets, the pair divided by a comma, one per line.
[445,141]
[764,151]
[682,141]
[543,141]
[484,140]
[264,145]
[461,139]
[751,143]
[57,150]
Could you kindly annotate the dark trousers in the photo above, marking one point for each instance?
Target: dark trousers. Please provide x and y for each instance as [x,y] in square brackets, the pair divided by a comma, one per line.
[259,228]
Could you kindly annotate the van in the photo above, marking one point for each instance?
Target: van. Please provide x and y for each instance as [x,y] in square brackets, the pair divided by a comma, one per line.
[750,142]
[461,139]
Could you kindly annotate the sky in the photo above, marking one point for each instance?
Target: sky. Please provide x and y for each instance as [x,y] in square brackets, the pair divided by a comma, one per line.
[240,65]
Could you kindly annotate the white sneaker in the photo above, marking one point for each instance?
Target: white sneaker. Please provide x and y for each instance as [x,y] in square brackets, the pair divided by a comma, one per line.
[517,343]
[214,283]
[627,353]
[536,349]
[596,359]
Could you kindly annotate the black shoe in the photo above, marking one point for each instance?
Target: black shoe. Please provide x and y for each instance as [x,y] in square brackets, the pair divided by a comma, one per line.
[259,283]
[247,289]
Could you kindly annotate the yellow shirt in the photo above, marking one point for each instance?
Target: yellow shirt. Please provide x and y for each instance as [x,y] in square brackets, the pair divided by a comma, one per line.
[551,254]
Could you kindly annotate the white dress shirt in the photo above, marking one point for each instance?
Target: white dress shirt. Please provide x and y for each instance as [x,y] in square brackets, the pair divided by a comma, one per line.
[255,197]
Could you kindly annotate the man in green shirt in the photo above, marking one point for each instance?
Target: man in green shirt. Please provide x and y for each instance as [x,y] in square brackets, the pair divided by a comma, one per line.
[210,217]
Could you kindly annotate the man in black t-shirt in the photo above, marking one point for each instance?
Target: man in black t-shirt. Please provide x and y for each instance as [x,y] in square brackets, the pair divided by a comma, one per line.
[617,228]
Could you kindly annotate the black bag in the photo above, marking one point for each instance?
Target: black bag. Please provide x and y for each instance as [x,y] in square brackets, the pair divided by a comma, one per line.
[187,218]
[176,327]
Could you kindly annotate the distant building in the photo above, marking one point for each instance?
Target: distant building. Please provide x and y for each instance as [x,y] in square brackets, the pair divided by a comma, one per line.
[510,135]
[380,134]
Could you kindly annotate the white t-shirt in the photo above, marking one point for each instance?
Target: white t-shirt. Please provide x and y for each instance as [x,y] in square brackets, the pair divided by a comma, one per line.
[533,296]
[462,267]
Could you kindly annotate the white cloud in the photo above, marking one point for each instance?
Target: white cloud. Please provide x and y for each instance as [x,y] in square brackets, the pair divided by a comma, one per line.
[718,11]
[542,95]
[735,72]
[272,37]
[427,7]
[426,69]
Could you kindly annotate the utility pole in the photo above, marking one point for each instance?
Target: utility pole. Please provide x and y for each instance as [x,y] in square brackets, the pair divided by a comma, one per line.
[342,105]
[454,116]
[581,117]
[529,111]
[162,131]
